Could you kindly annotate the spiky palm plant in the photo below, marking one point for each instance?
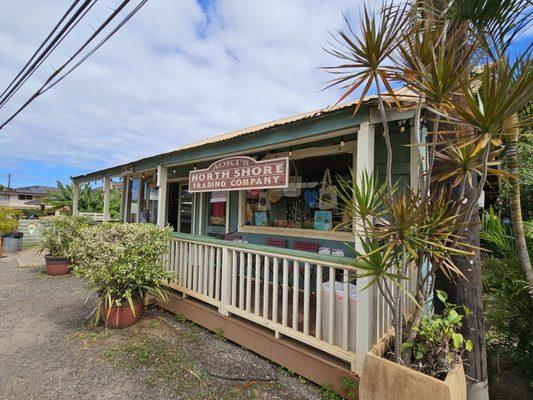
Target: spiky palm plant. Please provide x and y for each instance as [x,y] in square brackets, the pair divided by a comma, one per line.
[453,56]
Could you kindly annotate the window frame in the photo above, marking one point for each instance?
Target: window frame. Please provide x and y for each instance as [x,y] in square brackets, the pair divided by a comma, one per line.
[349,147]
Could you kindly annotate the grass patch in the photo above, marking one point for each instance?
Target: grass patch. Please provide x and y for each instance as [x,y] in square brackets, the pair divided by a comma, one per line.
[160,360]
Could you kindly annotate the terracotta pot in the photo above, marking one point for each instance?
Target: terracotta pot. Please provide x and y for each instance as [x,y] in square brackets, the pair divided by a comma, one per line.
[122,316]
[57,265]
[383,379]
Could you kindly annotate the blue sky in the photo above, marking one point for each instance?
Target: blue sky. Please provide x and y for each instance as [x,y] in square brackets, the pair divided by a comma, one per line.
[179,71]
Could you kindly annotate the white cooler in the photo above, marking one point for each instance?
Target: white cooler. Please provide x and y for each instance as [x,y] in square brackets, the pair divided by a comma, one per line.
[337,323]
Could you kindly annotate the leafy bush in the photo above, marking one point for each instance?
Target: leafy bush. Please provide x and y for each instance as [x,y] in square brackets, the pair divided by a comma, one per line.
[59,232]
[507,303]
[439,345]
[508,312]
[121,262]
[496,238]
[8,219]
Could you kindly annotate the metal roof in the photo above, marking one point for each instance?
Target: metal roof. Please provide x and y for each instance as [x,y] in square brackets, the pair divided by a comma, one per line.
[35,190]
[403,95]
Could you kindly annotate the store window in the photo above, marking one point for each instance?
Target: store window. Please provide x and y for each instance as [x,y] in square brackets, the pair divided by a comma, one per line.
[185,210]
[309,202]
[134,199]
[149,201]
[217,208]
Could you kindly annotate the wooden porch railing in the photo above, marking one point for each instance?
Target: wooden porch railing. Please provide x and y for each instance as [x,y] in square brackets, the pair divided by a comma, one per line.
[309,297]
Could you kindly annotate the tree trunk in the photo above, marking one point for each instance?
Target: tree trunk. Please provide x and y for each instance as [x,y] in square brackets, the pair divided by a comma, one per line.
[468,292]
[516,210]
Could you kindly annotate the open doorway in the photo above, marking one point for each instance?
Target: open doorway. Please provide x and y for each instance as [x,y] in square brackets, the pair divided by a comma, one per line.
[180,207]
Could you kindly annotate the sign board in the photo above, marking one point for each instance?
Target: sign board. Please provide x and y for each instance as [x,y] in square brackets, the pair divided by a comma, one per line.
[240,173]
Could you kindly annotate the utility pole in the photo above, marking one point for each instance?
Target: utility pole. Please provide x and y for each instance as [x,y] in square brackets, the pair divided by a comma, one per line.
[8,181]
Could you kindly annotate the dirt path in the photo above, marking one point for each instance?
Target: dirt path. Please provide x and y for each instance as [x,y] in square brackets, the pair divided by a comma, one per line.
[47,352]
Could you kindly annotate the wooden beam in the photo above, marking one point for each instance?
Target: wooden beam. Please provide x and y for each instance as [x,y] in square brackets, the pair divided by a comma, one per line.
[365,299]
[107,196]
[162,195]
[75,197]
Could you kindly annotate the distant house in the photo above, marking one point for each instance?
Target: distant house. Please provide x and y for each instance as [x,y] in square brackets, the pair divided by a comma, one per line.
[25,197]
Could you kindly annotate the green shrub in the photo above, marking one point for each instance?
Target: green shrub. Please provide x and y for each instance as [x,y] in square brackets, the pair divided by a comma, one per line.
[8,219]
[59,232]
[508,312]
[496,238]
[507,304]
[121,262]
[439,345]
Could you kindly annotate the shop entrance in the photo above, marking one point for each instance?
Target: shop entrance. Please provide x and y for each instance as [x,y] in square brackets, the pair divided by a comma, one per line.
[180,207]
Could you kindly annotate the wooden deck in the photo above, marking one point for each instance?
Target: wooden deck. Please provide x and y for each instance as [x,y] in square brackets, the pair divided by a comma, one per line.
[315,365]
[304,311]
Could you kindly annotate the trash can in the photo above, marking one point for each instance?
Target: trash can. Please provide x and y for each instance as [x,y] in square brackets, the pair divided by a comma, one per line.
[338,319]
[12,242]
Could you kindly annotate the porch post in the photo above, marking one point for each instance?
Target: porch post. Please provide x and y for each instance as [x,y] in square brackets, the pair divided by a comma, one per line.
[161,195]
[107,195]
[225,276]
[364,328]
[415,152]
[126,184]
[75,197]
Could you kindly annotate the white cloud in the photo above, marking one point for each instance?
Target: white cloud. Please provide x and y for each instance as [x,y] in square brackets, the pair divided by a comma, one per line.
[174,74]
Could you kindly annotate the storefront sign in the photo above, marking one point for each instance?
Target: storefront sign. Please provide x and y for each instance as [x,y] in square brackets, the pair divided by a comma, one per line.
[240,173]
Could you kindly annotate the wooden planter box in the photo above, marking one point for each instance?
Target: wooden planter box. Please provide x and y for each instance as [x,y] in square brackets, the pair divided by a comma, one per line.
[385,380]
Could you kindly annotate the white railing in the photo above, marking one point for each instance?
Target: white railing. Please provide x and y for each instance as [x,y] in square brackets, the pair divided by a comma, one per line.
[308,297]
[95,216]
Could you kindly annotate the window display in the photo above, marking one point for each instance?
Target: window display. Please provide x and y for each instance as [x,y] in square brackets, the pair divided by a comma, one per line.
[217,208]
[309,202]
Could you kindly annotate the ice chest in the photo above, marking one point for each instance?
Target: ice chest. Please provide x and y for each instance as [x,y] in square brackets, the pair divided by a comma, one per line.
[337,315]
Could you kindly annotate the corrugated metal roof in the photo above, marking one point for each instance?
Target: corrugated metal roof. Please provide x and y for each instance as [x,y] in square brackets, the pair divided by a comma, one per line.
[403,94]
[268,125]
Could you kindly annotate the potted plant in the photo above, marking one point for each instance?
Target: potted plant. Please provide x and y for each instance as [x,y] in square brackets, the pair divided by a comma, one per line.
[57,235]
[8,224]
[436,369]
[122,264]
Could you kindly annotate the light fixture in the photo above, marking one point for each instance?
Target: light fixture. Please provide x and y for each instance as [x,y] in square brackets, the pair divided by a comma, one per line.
[173,170]
[195,166]
[341,144]
[142,176]
[402,126]
[290,152]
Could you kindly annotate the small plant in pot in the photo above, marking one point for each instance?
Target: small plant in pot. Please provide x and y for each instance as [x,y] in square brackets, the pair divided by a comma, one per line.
[57,235]
[122,264]
[8,222]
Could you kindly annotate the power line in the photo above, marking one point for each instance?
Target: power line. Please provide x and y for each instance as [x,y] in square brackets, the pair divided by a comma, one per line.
[26,72]
[57,43]
[50,82]
[90,53]
[41,46]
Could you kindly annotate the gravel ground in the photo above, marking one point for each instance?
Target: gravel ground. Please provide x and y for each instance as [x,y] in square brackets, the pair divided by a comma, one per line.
[48,352]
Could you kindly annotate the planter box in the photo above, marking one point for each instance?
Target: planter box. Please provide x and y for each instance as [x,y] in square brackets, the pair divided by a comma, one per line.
[382,379]
[11,244]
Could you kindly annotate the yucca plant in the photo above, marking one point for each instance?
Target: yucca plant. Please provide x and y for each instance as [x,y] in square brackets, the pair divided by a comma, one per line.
[398,234]
[453,56]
